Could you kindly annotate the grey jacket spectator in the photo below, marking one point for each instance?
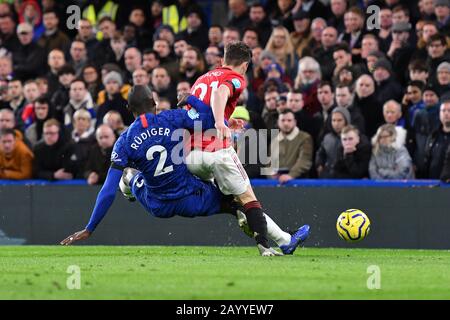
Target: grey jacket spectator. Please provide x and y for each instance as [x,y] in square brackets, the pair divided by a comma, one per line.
[389,160]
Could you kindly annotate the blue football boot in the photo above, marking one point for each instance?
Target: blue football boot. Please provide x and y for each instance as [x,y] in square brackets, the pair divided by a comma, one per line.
[296,239]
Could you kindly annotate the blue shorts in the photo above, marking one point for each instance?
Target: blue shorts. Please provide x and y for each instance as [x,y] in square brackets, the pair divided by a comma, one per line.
[205,201]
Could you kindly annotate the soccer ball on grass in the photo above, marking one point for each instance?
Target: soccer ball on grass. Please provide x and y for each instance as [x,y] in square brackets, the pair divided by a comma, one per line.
[353,225]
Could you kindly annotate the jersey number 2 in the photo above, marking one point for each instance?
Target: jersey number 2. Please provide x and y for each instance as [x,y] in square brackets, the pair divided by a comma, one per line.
[160,170]
[204,89]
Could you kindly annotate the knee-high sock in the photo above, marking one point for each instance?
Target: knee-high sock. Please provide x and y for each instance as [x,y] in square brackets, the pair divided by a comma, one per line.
[275,233]
[257,222]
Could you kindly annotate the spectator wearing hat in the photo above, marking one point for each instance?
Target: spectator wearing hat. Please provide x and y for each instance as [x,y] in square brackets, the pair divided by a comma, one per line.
[260,21]
[426,121]
[437,144]
[266,58]
[16,160]
[387,86]
[292,149]
[371,59]
[28,60]
[114,101]
[107,68]
[400,50]
[196,30]
[302,32]
[275,71]
[326,155]
[443,78]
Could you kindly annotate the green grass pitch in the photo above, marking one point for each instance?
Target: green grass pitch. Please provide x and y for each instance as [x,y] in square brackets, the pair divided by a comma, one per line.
[151,272]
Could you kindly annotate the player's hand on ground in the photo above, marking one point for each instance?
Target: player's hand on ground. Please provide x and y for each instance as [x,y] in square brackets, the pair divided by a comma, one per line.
[77,236]
[223,132]
[182,99]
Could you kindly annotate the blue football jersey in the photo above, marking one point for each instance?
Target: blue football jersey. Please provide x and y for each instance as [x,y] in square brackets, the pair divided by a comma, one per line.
[153,145]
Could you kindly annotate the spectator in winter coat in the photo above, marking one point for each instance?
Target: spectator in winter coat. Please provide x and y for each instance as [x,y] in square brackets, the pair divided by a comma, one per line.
[389,160]
[353,156]
[326,156]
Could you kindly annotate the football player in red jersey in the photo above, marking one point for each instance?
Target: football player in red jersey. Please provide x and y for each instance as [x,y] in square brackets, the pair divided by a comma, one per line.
[215,157]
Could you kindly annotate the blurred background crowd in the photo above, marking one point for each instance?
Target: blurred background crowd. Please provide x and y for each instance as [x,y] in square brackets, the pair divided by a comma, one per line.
[354,94]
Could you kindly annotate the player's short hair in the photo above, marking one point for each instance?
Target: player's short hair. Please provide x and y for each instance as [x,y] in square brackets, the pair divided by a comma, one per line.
[237,53]
[140,100]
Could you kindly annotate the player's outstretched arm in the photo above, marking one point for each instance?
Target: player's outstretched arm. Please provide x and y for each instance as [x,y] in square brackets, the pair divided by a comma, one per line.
[104,201]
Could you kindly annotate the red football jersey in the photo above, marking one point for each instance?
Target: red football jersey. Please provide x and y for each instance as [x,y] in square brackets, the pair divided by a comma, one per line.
[202,89]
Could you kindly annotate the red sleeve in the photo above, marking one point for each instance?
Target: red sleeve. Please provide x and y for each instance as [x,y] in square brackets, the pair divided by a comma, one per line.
[235,83]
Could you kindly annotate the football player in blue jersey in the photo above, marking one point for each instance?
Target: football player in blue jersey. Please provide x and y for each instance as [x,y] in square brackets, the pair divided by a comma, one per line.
[163,186]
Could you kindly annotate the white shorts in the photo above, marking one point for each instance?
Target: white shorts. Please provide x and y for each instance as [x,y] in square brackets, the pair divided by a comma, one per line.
[223,166]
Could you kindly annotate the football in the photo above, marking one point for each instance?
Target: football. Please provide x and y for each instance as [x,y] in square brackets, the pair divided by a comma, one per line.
[353,225]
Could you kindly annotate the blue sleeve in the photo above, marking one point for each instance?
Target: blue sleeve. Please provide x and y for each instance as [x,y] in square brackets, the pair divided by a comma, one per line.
[198,104]
[188,119]
[201,107]
[119,155]
[105,198]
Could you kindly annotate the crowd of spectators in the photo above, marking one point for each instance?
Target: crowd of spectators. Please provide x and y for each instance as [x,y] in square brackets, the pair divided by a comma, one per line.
[350,100]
